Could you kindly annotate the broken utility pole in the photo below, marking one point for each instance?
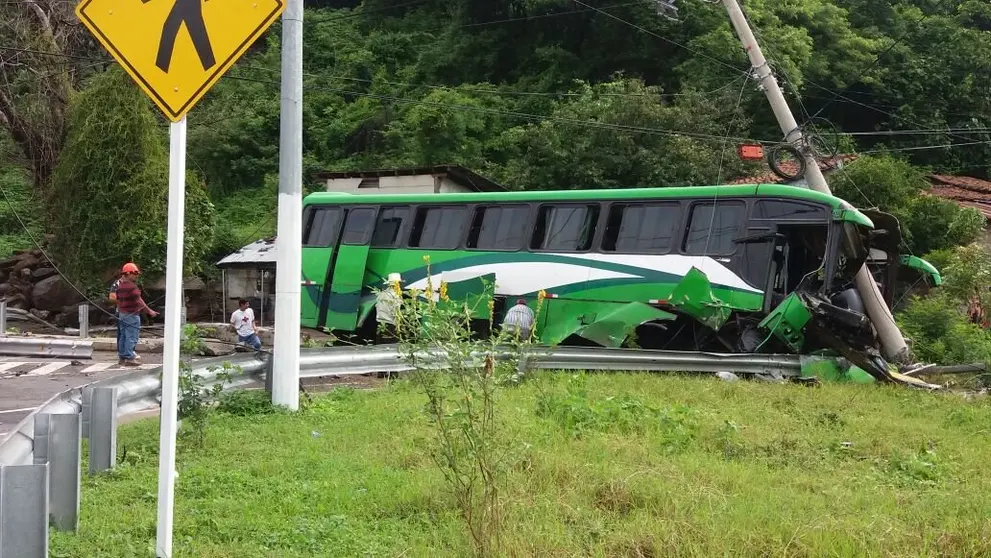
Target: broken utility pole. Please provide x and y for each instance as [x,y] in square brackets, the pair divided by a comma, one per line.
[895,348]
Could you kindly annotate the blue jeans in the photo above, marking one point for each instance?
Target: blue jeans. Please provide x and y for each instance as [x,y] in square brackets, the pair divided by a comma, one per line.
[128,330]
[251,340]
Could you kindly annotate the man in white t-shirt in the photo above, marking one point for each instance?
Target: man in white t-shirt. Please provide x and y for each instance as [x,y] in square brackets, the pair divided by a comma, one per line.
[243,321]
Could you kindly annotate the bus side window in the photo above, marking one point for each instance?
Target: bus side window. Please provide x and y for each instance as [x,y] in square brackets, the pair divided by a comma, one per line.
[566,228]
[641,228]
[713,227]
[321,230]
[358,227]
[391,227]
[439,228]
[498,228]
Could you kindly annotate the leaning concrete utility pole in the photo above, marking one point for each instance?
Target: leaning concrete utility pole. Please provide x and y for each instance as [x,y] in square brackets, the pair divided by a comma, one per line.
[285,357]
[895,348]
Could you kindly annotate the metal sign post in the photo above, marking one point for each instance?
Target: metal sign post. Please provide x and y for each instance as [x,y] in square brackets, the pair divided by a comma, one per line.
[173,331]
[175,70]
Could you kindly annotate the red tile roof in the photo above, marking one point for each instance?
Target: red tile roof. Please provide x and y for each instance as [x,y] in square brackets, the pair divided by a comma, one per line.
[975,185]
[964,191]
[766,176]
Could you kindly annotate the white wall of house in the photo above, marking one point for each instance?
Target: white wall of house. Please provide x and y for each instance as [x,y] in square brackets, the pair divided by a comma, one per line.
[414,184]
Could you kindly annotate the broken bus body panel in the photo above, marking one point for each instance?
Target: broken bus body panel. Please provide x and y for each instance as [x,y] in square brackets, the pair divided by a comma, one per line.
[756,268]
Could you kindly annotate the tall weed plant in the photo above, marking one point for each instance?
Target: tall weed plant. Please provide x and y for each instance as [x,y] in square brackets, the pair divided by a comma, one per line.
[461,374]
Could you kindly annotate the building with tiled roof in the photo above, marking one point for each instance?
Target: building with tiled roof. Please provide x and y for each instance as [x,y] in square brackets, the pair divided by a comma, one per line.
[964,191]
[767,176]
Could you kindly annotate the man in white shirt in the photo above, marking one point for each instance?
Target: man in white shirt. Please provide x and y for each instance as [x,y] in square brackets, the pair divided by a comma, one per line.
[519,320]
[243,321]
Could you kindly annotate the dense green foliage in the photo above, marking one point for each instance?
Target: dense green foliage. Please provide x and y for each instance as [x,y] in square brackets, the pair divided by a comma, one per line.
[17,200]
[109,189]
[939,324]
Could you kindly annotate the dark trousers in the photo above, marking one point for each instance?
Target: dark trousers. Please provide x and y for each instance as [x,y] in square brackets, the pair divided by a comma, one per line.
[386,334]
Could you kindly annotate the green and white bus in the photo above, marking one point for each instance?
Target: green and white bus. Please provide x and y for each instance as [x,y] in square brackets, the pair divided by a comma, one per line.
[738,268]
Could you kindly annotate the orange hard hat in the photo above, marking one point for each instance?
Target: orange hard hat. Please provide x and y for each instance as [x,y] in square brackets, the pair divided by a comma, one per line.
[130,268]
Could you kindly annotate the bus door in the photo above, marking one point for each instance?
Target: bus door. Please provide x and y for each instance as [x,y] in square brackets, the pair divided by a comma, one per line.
[321,231]
[346,274]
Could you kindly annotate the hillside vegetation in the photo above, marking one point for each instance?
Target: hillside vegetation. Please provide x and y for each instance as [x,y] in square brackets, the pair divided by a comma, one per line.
[535,94]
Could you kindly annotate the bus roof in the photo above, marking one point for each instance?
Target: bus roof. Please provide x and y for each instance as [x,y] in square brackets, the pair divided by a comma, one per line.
[841,208]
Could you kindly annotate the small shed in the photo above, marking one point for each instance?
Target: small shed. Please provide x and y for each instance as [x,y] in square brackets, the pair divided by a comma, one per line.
[249,273]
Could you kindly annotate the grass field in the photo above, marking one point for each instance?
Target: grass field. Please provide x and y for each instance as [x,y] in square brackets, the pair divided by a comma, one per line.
[617,465]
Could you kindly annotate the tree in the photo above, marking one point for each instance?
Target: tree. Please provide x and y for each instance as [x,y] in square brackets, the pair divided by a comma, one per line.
[109,190]
[44,53]
[621,135]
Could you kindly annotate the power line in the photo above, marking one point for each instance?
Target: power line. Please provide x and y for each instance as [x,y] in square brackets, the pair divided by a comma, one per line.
[363,11]
[525,116]
[925,132]
[881,55]
[43,53]
[553,14]
[663,38]
[926,147]
[498,91]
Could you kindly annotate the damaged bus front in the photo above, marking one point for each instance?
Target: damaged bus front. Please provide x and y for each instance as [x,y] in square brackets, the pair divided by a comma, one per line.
[825,310]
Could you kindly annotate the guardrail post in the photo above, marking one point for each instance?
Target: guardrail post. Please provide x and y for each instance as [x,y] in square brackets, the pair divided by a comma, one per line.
[3,318]
[84,411]
[84,320]
[269,364]
[57,442]
[23,511]
[102,430]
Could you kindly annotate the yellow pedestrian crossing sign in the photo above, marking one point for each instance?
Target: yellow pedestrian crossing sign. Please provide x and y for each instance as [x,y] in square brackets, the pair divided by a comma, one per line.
[177,49]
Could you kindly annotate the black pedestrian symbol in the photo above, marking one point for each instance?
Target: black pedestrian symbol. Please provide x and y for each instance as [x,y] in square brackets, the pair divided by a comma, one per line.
[189,12]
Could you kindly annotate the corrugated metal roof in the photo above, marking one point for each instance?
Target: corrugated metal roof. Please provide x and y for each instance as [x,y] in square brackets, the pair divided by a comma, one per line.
[964,182]
[258,252]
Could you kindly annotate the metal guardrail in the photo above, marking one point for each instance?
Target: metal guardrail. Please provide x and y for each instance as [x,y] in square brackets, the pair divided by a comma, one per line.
[45,347]
[140,390]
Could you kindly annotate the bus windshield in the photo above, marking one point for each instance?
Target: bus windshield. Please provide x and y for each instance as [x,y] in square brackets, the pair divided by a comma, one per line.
[853,251]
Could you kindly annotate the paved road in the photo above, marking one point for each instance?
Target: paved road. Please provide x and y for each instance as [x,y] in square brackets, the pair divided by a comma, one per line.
[26,383]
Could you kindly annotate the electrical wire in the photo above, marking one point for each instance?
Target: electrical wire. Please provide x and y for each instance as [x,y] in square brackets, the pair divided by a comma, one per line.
[925,147]
[526,116]
[927,132]
[497,92]
[665,39]
[881,55]
[553,14]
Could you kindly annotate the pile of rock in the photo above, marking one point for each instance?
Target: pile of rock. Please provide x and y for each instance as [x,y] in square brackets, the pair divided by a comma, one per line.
[28,281]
